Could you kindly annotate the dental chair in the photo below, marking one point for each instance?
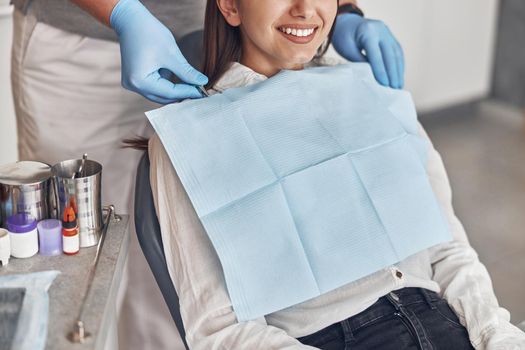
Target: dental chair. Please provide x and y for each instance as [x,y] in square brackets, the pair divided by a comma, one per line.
[146,222]
[150,240]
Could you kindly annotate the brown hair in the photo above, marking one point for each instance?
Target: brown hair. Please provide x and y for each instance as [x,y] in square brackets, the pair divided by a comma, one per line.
[221,47]
[221,44]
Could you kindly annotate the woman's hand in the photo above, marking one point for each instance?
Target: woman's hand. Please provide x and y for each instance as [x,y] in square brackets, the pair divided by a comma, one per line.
[354,34]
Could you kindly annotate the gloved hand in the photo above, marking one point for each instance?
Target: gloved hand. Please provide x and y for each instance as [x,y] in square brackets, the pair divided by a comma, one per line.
[353,33]
[146,46]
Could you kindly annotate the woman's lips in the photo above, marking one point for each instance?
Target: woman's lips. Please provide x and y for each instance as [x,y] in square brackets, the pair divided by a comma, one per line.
[299,39]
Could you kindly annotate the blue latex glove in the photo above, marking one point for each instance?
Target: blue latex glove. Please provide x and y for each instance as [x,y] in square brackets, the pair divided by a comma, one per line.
[353,34]
[146,46]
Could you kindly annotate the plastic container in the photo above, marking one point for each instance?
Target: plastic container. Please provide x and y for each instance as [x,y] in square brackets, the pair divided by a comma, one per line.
[5,247]
[50,237]
[23,235]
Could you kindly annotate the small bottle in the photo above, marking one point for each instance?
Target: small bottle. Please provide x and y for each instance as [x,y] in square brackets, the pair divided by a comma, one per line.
[70,236]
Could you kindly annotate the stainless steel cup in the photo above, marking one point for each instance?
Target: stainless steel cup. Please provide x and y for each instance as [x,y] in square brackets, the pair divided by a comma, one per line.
[83,192]
[25,187]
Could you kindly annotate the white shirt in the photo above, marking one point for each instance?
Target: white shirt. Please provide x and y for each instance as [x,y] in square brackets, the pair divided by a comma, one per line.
[451,269]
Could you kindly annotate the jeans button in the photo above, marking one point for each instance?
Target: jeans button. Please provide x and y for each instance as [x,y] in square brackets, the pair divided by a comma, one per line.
[394,296]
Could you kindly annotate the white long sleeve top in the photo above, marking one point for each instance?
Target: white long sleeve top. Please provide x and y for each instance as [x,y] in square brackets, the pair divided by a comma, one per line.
[451,269]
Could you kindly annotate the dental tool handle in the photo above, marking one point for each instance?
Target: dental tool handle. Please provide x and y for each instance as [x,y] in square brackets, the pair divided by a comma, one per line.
[78,335]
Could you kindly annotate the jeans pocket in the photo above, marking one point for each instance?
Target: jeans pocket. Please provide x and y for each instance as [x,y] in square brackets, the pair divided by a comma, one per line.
[446,312]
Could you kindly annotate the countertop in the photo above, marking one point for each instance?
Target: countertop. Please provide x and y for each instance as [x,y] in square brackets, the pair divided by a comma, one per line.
[66,291]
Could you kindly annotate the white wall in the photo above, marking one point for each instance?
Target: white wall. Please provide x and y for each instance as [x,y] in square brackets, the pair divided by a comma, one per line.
[8,152]
[448,46]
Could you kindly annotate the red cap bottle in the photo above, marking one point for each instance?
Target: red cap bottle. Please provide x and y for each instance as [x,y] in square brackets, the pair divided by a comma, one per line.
[70,236]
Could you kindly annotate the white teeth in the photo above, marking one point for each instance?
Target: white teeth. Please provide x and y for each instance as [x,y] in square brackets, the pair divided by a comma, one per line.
[298,32]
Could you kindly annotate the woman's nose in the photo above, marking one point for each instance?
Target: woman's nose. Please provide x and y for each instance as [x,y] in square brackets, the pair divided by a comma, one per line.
[303,8]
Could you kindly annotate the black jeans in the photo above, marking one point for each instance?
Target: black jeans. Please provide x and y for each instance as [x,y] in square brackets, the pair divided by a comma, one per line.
[409,318]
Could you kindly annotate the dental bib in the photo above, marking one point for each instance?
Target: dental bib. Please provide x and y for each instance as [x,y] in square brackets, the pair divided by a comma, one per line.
[304,182]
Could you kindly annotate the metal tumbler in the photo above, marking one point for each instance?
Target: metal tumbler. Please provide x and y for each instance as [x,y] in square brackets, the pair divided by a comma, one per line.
[25,187]
[78,184]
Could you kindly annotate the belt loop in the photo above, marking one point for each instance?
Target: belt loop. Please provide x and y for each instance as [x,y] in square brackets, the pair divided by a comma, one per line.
[347,333]
[429,301]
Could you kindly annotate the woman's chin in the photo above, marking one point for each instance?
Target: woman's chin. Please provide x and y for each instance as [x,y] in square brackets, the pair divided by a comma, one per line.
[297,62]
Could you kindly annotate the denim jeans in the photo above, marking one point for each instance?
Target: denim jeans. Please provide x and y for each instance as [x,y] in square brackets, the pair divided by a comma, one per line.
[409,318]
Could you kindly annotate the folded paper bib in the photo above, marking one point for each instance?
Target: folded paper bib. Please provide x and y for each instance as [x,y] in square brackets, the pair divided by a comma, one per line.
[304,182]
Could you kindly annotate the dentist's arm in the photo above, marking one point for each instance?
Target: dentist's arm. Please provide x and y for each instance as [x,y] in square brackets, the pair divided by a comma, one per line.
[146,46]
[354,34]
[100,9]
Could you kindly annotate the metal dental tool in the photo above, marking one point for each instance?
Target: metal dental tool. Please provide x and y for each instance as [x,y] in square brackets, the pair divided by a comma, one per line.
[202,90]
[79,334]
[80,171]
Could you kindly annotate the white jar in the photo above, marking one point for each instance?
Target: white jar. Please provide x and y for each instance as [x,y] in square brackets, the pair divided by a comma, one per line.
[23,235]
[5,247]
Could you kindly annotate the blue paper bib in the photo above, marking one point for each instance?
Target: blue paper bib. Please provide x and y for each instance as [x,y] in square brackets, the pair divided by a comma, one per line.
[304,182]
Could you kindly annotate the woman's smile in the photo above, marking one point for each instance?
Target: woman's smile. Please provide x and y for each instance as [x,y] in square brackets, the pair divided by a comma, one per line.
[299,34]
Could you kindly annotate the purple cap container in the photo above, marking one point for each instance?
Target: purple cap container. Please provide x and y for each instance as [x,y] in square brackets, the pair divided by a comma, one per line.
[21,223]
[50,237]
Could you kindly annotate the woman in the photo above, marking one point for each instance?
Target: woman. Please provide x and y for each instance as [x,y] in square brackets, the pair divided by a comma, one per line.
[398,307]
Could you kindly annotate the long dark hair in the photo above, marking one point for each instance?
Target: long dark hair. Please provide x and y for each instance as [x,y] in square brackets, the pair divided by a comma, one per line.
[221,46]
